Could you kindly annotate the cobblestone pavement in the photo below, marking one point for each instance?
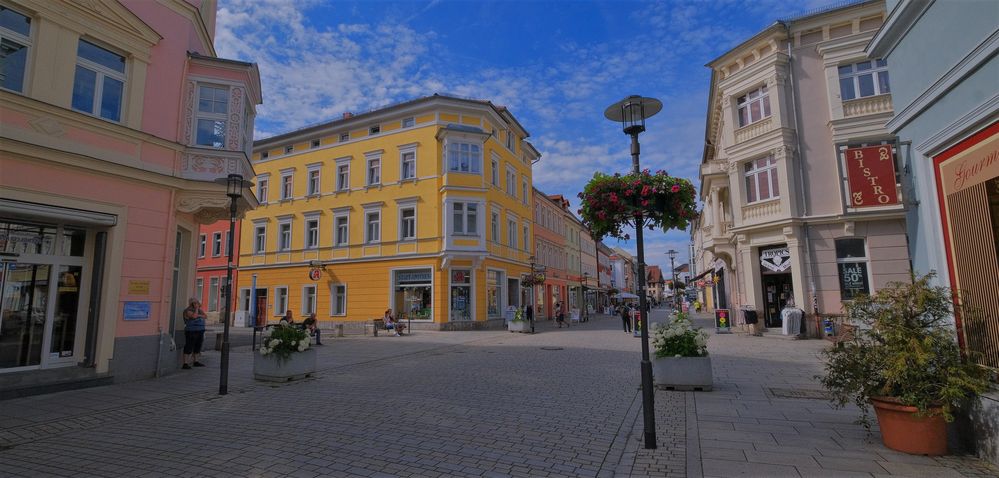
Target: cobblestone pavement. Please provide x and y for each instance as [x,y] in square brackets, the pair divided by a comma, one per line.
[562,402]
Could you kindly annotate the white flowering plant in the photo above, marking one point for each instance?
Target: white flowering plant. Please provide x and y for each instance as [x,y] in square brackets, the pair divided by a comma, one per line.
[284,341]
[679,338]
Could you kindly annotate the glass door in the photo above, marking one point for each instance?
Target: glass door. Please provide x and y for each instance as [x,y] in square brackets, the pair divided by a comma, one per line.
[23,309]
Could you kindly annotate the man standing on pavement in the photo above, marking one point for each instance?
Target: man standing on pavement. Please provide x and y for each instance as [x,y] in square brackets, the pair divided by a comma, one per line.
[625,318]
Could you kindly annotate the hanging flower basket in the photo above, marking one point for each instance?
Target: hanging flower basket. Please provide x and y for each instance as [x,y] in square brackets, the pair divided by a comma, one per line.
[609,203]
[532,279]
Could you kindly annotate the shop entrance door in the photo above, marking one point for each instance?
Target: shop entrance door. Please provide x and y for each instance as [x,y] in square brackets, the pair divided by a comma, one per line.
[776,292]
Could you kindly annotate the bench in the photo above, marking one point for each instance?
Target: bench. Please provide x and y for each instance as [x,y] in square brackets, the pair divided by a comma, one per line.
[375,326]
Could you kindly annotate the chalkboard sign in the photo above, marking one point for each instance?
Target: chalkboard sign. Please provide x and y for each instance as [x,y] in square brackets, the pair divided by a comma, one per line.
[723,321]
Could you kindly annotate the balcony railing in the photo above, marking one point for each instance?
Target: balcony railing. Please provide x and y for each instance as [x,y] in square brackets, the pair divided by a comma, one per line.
[751,131]
[761,210]
[867,106]
[208,164]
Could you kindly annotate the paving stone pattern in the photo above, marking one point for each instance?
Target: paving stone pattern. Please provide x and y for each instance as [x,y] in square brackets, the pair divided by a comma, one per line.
[563,402]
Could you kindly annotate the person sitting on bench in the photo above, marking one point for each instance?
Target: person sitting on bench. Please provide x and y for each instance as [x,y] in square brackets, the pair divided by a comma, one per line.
[312,327]
[392,324]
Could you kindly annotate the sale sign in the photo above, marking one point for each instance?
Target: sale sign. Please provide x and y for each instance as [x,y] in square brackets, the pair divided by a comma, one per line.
[871,174]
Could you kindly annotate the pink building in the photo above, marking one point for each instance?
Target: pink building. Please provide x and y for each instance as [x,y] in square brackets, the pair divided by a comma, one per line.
[116,117]
[209,281]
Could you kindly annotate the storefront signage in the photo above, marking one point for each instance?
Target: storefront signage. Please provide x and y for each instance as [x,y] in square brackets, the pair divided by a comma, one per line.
[136,311]
[871,174]
[852,279]
[975,166]
[138,287]
[458,276]
[413,277]
[777,260]
[723,324]
[315,274]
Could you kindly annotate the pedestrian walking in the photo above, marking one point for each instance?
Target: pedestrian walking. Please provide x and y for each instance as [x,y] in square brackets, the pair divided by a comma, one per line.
[625,319]
[560,315]
[194,333]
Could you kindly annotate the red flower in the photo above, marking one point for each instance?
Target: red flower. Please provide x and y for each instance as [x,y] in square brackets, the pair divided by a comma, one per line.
[645,202]
[628,192]
[675,188]
[645,190]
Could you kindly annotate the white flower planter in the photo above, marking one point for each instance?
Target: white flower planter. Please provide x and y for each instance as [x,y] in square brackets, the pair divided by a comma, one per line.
[518,326]
[682,373]
[298,365]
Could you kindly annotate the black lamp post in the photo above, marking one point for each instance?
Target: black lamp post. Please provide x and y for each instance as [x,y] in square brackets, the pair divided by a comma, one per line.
[586,302]
[631,112]
[672,257]
[234,189]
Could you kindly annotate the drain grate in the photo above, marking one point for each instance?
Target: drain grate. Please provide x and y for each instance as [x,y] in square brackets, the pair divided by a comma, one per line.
[799,393]
[552,348]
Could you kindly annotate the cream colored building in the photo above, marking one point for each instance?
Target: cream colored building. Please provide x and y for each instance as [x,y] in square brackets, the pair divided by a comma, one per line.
[778,221]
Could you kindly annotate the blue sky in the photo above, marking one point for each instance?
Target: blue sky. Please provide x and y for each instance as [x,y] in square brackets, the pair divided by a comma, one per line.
[557,65]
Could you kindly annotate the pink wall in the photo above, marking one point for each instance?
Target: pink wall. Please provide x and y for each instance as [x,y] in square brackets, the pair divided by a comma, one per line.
[148,227]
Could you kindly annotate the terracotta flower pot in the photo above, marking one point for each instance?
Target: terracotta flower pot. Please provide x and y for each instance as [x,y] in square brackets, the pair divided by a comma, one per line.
[902,430]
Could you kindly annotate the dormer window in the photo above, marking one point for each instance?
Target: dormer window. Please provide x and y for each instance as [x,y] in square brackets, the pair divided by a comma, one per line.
[754,106]
[213,108]
[860,80]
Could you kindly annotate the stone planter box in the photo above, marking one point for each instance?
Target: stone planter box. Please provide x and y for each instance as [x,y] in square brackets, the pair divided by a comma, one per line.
[518,326]
[682,373]
[299,365]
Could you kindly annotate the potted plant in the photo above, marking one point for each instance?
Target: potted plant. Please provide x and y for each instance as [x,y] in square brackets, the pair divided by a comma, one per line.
[904,360]
[284,355]
[681,361]
[518,324]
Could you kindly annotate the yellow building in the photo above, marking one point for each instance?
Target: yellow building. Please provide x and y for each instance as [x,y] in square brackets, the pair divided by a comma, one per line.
[422,207]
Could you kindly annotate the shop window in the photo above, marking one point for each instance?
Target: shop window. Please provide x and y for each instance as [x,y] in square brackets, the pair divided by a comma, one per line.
[412,298]
[761,180]
[280,300]
[754,106]
[99,81]
[338,299]
[461,295]
[308,300]
[15,40]
[494,293]
[851,262]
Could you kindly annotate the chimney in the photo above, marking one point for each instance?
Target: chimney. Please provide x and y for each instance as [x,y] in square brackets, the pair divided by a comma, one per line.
[347,115]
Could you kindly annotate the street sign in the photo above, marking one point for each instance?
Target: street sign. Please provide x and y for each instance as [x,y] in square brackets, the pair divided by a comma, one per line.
[723,321]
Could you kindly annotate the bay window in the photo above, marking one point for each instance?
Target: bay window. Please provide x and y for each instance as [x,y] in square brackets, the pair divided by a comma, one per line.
[754,106]
[213,109]
[465,215]
[464,158]
[761,180]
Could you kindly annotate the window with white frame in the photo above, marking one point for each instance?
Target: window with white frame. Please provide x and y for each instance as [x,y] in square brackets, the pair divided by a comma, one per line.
[259,238]
[15,41]
[225,244]
[338,299]
[761,180]
[511,233]
[344,137]
[343,175]
[509,140]
[213,294]
[372,226]
[523,190]
[464,158]
[851,262]
[262,186]
[308,300]
[407,223]
[527,237]
[408,122]
[280,300]
[213,109]
[284,236]
[465,218]
[313,186]
[216,244]
[99,81]
[408,166]
[754,106]
[374,171]
[199,289]
[341,229]
[511,181]
[494,171]
[494,227]
[860,80]
[202,245]
[311,232]
[287,181]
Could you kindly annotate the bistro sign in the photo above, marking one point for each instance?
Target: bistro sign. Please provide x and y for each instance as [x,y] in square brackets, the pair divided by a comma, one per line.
[871,175]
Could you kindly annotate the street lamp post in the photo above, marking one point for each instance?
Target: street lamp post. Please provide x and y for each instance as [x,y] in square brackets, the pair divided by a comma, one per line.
[631,112]
[234,189]
[672,257]
[586,306]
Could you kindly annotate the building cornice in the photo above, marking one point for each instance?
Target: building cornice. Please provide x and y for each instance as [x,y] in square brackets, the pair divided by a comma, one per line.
[901,19]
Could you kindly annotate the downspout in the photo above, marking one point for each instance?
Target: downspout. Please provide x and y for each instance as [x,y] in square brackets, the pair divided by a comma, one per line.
[801,172]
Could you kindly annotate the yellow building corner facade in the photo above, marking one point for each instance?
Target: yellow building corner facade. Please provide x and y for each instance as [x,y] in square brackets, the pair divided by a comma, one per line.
[423,207]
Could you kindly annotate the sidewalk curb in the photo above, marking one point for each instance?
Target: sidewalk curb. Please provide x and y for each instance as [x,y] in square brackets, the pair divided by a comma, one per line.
[694,465]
